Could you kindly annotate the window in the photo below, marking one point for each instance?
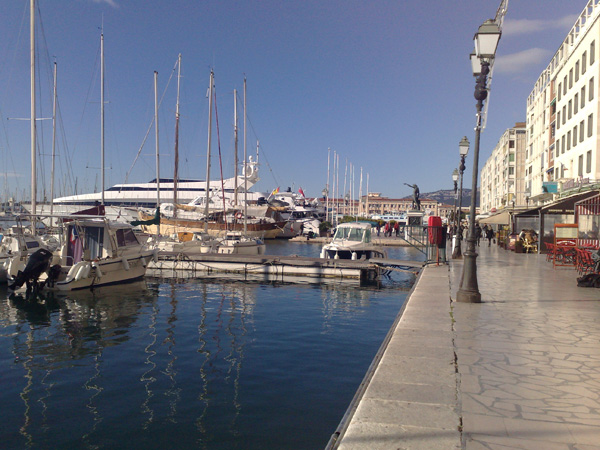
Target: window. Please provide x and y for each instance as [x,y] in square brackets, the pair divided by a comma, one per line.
[581,131]
[588,161]
[559,91]
[511,157]
[565,85]
[574,136]
[570,108]
[583,96]
[558,120]
[562,145]
[564,114]
[590,124]
[592,52]
[576,104]
[591,89]
[569,140]
[126,237]
[570,78]
[577,71]
[580,168]
[583,62]
[511,144]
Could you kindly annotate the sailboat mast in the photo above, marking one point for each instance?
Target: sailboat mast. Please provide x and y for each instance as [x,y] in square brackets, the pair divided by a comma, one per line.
[53,143]
[327,186]
[235,146]
[157,153]
[210,94]
[176,169]
[366,212]
[102,114]
[245,166]
[33,118]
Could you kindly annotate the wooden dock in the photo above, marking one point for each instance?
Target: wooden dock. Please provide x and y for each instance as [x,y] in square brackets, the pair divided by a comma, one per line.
[174,265]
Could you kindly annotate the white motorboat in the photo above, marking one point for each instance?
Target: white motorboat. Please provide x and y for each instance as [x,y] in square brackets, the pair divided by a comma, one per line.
[352,240]
[238,244]
[93,252]
[18,241]
[301,217]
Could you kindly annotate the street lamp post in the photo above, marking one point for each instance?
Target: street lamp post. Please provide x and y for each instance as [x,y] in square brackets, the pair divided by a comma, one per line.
[455,223]
[463,150]
[486,41]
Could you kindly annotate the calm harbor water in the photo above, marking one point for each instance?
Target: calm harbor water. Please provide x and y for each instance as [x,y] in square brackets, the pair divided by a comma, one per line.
[203,363]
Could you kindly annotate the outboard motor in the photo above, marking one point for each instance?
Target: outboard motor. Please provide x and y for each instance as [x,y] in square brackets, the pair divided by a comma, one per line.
[38,263]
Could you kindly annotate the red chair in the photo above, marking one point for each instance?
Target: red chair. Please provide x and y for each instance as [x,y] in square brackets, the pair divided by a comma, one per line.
[587,264]
[549,251]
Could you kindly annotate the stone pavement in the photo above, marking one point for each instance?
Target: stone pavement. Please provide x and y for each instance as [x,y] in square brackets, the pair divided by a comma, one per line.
[521,370]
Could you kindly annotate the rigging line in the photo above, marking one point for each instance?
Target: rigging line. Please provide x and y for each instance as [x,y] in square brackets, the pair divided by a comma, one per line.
[86,102]
[149,127]
[277,183]
[220,161]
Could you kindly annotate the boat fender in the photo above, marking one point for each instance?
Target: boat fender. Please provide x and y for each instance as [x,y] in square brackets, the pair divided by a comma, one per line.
[336,256]
[155,255]
[99,273]
[83,272]
[353,256]
[239,216]
[125,263]
[323,254]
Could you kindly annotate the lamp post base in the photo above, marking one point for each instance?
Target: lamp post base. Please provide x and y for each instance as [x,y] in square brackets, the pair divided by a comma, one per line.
[456,252]
[468,292]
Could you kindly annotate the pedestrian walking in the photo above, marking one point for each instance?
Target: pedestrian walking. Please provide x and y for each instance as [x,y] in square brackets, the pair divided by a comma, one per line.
[478,234]
[489,234]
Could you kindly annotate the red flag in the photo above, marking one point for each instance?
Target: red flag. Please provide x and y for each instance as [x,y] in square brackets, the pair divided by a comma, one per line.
[301,192]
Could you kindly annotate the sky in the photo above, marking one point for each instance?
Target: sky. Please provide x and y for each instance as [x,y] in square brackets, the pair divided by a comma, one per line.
[385,85]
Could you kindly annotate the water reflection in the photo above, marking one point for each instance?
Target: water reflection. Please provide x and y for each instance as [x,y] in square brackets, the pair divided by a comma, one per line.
[131,365]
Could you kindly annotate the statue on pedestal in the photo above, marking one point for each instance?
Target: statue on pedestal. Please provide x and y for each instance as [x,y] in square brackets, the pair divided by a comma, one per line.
[416,202]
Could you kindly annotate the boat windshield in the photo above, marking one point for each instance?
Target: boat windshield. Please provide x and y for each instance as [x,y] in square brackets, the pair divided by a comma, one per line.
[349,234]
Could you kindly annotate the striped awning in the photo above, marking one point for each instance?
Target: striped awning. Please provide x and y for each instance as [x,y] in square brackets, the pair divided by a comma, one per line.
[588,207]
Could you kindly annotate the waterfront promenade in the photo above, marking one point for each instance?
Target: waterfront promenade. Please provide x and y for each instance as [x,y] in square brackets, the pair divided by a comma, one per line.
[521,370]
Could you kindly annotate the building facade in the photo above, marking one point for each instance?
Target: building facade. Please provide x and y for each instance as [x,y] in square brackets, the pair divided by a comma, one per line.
[562,147]
[502,177]
[376,204]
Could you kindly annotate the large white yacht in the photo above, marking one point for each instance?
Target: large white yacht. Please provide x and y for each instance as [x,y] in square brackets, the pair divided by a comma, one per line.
[122,200]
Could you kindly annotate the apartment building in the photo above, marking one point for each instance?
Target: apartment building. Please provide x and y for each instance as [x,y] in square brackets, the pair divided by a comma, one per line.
[562,149]
[502,177]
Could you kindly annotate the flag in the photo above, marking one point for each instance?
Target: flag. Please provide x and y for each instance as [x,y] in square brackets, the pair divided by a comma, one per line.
[73,235]
[275,191]
[301,192]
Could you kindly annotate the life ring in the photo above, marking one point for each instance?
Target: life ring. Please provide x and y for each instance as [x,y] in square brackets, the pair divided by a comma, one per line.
[239,216]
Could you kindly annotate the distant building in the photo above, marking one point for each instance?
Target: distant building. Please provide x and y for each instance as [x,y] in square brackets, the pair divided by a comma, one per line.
[502,177]
[376,204]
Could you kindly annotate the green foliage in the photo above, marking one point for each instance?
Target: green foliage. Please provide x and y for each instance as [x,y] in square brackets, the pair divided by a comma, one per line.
[324,226]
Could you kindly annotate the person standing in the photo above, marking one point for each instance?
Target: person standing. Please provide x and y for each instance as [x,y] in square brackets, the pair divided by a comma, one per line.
[489,234]
[478,234]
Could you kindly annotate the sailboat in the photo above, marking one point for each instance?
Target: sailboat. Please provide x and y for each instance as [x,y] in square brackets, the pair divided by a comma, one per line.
[92,252]
[231,225]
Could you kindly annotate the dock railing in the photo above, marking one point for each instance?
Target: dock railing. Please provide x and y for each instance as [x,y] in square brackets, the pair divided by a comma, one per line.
[429,240]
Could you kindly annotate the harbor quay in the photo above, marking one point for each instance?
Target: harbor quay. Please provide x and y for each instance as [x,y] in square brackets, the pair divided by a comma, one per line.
[521,370]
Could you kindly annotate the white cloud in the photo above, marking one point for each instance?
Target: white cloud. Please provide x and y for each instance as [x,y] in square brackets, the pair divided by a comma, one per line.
[10,175]
[516,27]
[522,61]
[112,3]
